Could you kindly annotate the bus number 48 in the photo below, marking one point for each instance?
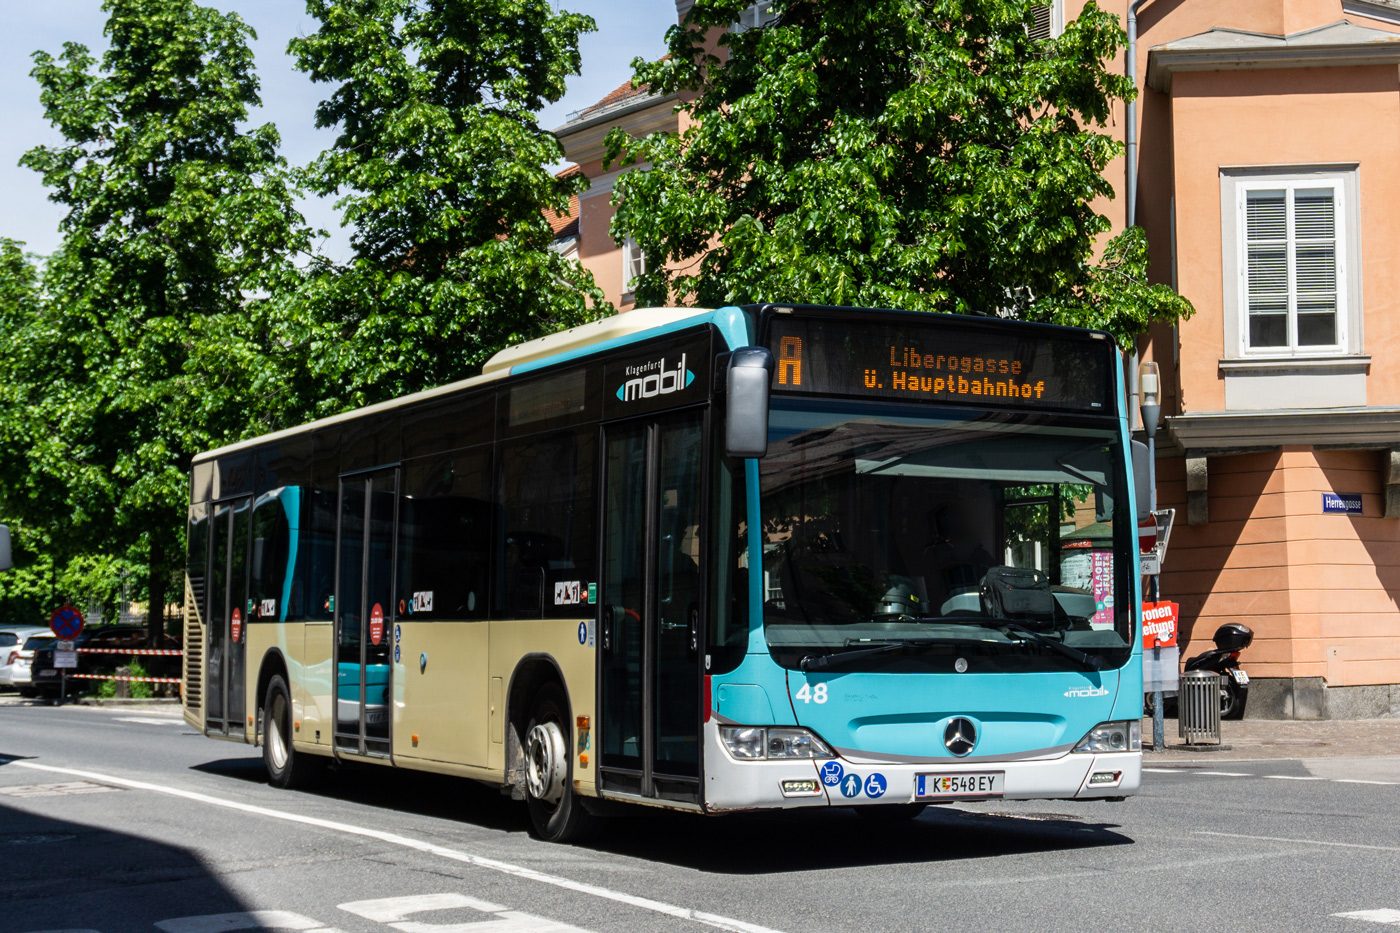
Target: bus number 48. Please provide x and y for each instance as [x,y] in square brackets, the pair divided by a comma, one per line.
[809,694]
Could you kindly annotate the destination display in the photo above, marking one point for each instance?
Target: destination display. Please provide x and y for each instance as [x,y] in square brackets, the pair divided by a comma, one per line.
[938,360]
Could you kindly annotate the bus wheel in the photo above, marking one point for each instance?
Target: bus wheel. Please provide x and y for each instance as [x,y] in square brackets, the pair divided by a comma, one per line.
[555,812]
[892,813]
[285,767]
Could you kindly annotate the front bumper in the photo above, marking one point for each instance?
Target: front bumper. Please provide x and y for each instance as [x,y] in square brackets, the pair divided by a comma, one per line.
[752,785]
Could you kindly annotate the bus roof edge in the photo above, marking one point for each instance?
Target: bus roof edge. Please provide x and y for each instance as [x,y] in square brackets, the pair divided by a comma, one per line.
[575,338]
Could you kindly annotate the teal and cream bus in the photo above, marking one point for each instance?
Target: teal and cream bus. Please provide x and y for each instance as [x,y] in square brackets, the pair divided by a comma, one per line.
[759,557]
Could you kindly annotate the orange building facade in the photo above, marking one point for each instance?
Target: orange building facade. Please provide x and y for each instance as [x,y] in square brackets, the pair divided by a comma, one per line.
[1268,182]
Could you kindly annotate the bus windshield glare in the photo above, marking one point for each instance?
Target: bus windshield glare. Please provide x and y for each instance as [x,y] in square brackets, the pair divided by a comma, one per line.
[957,540]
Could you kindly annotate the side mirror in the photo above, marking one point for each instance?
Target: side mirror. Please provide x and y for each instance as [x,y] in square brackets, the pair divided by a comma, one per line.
[4,547]
[1142,481]
[746,383]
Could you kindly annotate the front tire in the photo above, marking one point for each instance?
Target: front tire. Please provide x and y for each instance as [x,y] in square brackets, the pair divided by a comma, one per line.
[556,813]
[286,768]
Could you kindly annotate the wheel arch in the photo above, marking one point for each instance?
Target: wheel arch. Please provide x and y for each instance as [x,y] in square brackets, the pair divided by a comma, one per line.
[273,663]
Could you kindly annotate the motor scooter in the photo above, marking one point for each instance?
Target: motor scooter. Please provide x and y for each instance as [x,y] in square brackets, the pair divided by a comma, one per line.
[1230,639]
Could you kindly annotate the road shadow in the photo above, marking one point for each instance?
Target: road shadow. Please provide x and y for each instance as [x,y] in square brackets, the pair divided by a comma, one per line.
[811,840]
[64,875]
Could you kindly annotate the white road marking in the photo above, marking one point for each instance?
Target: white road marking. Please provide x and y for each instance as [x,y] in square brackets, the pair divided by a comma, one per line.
[568,884]
[1383,915]
[242,920]
[151,721]
[394,910]
[1304,842]
[1272,777]
[65,789]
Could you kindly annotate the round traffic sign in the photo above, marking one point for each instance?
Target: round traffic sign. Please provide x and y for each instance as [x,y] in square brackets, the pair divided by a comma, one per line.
[66,622]
[376,624]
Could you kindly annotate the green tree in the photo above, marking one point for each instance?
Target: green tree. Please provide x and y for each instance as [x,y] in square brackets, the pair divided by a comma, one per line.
[922,154]
[444,180]
[150,342]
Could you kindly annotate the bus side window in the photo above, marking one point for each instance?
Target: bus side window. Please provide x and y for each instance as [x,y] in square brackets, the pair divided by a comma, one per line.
[729,570]
[547,554]
[444,537]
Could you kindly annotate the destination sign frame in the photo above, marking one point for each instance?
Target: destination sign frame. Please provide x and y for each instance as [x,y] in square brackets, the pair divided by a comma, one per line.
[939,358]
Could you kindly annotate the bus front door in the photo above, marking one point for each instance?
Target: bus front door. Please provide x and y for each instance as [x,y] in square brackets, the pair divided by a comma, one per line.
[227,619]
[651,599]
[364,612]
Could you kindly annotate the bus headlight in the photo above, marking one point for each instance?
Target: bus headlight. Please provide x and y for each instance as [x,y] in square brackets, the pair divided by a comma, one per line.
[755,743]
[1125,736]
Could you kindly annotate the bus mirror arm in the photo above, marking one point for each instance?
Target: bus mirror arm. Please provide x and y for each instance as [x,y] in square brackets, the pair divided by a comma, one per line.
[746,385]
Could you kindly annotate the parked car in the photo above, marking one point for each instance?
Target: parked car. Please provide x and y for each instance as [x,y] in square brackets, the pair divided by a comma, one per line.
[15,655]
[46,679]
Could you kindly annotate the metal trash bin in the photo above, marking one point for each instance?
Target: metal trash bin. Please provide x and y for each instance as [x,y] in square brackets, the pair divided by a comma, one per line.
[1198,708]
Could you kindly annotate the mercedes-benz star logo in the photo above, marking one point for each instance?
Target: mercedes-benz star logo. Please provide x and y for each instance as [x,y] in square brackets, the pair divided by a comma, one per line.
[960,737]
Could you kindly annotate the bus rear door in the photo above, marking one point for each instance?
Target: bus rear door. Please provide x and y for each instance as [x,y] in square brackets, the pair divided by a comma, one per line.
[364,612]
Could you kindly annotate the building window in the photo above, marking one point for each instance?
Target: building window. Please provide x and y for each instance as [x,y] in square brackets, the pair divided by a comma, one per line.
[1049,20]
[756,15]
[1290,289]
[634,265]
[1288,240]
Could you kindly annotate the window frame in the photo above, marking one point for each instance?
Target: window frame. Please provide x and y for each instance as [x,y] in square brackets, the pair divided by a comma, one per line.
[631,252]
[1236,185]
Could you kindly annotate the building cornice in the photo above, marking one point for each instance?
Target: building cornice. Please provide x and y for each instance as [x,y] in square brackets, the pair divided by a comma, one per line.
[1340,44]
[584,140]
[1387,11]
[1227,432]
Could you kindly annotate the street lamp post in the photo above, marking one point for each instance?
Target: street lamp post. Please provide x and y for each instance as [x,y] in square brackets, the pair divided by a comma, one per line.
[1151,408]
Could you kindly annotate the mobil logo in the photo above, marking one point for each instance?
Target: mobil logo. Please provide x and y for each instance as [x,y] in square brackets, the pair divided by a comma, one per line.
[648,380]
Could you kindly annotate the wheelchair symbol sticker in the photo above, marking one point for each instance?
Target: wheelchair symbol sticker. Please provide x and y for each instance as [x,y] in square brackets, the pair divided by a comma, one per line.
[850,785]
[874,786]
[831,773]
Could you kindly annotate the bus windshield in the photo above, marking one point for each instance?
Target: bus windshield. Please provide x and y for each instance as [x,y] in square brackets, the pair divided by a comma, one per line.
[964,540]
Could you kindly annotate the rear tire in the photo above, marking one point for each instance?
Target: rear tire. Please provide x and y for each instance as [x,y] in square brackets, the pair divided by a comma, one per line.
[893,813]
[1232,698]
[286,767]
[556,813]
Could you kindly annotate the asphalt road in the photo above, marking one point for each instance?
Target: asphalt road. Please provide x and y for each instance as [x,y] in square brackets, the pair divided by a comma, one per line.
[119,821]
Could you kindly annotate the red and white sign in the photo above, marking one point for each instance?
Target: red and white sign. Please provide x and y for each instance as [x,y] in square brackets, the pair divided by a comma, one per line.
[237,625]
[376,623]
[1160,622]
[1147,535]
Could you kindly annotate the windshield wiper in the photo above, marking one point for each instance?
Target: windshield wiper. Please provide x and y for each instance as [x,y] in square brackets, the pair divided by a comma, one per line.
[1088,660]
[853,652]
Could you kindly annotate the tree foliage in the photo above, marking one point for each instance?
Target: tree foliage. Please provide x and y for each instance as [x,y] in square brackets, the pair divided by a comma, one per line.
[147,343]
[443,177]
[922,154]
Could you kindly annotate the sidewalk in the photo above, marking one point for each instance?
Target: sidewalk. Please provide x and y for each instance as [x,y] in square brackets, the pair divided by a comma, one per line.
[1264,739]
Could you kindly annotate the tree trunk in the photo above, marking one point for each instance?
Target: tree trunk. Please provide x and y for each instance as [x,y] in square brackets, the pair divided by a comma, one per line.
[155,608]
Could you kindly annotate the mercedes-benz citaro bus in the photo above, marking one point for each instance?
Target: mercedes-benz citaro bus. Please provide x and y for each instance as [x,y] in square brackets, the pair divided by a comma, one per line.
[761,557]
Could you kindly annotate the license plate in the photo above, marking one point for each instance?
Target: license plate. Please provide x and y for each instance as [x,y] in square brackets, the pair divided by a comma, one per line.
[980,784]
[1240,676]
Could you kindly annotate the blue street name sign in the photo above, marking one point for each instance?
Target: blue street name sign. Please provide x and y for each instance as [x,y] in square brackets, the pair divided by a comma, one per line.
[1344,502]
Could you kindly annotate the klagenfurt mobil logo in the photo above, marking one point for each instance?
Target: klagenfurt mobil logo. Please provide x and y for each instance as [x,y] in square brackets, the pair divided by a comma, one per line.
[648,380]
